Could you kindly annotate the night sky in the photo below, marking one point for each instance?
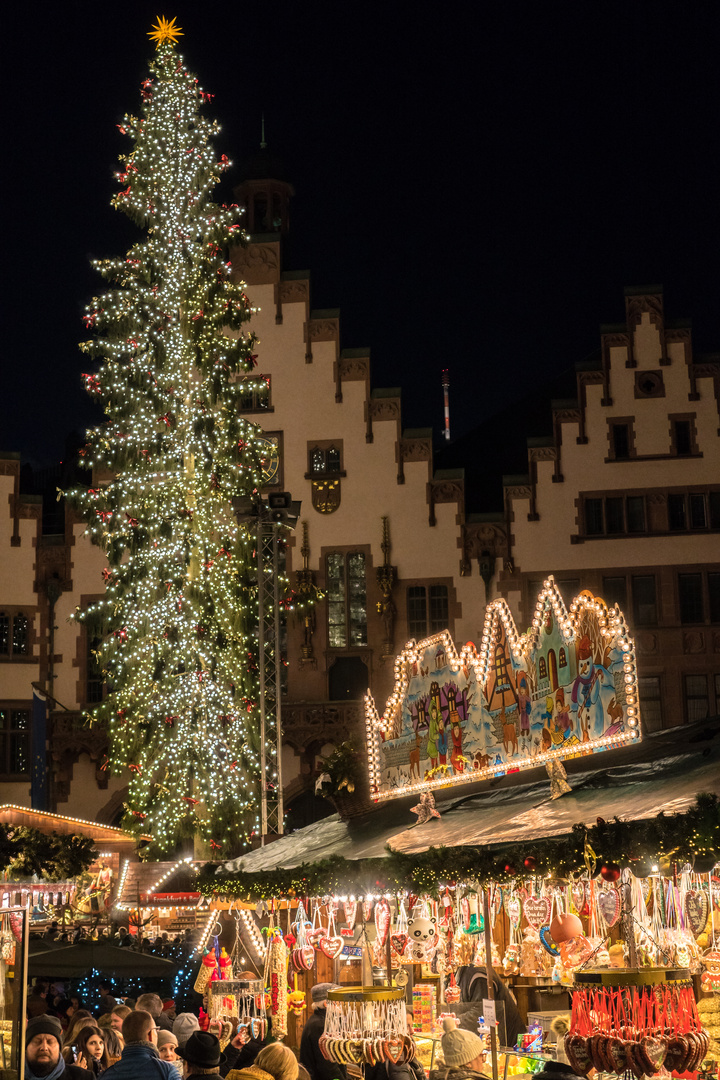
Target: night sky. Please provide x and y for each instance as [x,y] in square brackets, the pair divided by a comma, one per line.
[475,183]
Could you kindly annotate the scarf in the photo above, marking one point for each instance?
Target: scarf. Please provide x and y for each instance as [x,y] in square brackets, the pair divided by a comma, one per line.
[54,1075]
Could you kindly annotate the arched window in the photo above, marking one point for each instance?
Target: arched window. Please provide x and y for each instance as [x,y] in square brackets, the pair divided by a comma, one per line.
[542,667]
[562,657]
[317,459]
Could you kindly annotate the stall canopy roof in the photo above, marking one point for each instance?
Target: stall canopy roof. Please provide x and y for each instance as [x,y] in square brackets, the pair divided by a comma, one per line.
[663,773]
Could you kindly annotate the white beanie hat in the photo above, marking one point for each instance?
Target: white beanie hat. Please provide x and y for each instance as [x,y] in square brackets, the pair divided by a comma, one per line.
[459,1046]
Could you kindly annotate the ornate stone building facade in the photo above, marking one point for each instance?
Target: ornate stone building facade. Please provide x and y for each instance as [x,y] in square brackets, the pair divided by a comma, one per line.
[622,497]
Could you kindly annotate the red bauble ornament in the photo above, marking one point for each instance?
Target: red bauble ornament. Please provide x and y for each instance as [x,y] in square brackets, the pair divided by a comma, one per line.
[530,863]
[510,869]
[610,871]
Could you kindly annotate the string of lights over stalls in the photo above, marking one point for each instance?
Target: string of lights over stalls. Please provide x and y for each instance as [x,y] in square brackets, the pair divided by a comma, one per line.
[173,361]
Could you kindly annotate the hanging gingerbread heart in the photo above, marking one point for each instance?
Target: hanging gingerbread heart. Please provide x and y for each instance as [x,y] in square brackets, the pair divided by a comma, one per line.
[537,911]
[16,925]
[350,912]
[465,909]
[331,946]
[513,907]
[367,907]
[696,909]
[608,902]
[399,943]
[578,892]
[382,920]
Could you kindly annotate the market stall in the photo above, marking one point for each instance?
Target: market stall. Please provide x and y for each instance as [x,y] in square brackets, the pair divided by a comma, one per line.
[604,874]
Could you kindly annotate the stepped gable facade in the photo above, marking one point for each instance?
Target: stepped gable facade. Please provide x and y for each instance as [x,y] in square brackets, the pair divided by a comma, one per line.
[623,498]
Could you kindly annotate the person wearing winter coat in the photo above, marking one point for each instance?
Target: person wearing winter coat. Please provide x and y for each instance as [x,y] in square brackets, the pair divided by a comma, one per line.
[43,1061]
[318,1066]
[473,984]
[463,1052]
[140,1059]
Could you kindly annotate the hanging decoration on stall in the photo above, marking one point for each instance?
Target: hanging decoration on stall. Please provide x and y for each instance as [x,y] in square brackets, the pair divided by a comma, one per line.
[635,1029]
[567,686]
[275,977]
[366,1027]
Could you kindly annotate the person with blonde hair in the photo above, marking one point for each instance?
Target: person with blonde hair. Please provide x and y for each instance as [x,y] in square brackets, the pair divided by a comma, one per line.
[274,1062]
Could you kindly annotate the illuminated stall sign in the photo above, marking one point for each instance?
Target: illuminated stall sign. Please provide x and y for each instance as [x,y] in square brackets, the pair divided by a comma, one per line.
[566,687]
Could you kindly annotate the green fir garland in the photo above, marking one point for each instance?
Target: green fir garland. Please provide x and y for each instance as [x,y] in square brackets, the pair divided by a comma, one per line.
[692,837]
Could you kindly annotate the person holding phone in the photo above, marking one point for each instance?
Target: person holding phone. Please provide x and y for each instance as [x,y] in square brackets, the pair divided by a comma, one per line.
[90,1051]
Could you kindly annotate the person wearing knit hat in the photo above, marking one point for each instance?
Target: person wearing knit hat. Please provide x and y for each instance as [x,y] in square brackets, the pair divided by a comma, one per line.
[43,1061]
[463,1052]
[167,1046]
[184,1026]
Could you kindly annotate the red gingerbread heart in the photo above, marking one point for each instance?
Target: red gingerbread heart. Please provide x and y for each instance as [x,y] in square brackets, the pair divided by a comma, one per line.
[331,946]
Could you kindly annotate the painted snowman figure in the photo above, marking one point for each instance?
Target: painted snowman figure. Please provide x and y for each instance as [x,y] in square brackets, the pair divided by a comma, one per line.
[592,691]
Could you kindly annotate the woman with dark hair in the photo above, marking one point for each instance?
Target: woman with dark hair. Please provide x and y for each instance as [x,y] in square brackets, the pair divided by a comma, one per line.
[114,1043]
[90,1051]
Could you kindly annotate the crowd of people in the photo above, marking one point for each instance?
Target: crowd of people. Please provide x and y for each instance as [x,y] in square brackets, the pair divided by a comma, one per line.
[146,1039]
[142,1039]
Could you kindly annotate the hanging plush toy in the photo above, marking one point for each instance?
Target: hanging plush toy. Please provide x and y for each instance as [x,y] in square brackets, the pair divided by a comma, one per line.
[421,934]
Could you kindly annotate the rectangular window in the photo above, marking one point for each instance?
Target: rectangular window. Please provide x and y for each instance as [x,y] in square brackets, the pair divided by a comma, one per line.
[677,516]
[635,510]
[427,610]
[644,600]
[614,517]
[698,519]
[14,741]
[696,697]
[650,702]
[438,608]
[594,525]
[347,600]
[417,612]
[14,633]
[254,393]
[614,591]
[714,506]
[714,598]
[683,437]
[690,593]
[621,441]
[94,676]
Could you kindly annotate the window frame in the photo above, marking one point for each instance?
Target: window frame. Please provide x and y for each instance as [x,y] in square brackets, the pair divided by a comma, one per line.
[257,405]
[709,595]
[613,497]
[345,553]
[645,699]
[687,698]
[324,446]
[432,625]
[637,621]
[13,611]
[5,736]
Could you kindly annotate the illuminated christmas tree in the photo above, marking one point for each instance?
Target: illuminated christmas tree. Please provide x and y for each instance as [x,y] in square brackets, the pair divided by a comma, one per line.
[178,621]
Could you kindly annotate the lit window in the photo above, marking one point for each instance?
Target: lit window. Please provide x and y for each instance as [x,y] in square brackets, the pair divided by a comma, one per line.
[347,600]
[14,741]
[14,633]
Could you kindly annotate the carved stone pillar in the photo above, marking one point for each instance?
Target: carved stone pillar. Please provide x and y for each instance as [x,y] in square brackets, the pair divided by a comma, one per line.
[386,579]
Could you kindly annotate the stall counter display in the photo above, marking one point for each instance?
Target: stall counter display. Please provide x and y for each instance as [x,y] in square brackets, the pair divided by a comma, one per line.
[424,1008]
[13,982]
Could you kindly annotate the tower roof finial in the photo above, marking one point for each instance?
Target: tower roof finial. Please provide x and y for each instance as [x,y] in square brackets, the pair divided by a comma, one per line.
[263,144]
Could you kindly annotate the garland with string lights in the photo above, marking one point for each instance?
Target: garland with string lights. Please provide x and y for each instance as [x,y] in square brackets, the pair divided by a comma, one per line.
[172,364]
[692,837]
